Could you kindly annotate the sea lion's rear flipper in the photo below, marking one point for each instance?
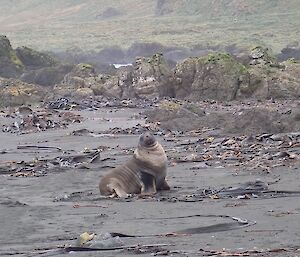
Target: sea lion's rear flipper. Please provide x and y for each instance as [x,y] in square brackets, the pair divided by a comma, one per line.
[148,182]
[117,191]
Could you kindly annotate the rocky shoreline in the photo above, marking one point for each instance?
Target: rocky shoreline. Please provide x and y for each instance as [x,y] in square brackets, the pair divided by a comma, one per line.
[216,76]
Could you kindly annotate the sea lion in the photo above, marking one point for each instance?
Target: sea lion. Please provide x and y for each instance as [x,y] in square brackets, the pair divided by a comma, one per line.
[143,173]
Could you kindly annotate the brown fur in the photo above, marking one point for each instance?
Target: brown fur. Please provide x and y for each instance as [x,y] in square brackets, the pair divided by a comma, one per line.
[149,158]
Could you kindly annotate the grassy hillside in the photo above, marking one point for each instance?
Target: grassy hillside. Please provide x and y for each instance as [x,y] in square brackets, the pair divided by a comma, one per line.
[95,24]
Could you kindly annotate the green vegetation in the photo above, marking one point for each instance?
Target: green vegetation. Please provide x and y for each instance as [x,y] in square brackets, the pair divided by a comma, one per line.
[85,66]
[15,60]
[292,61]
[90,24]
[217,58]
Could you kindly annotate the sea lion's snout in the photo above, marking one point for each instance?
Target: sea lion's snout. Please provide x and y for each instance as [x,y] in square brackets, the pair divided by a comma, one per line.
[147,139]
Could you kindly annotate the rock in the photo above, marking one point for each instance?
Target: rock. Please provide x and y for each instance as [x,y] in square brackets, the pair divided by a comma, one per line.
[109,86]
[175,116]
[215,76]
[152,77]
[10,65]
[261,56]
[263,120]
[282,82]
[147,78]
[48,76]
[76,83]
[221,77]
[34,59]
[246,119]
[15,92]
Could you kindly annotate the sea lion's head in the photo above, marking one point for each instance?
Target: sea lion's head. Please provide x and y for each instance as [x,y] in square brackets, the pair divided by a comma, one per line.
[147,140]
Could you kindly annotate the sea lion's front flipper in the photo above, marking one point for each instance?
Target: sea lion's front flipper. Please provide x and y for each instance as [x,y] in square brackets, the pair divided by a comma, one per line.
[164,186]
[148,182]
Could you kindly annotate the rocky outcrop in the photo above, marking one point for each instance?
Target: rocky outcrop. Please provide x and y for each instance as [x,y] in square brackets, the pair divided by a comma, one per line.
[77,83]
[152,77]
[33,59]
[29,65]
[221,77]
[270,79]
[149,77]
[10,65]
[262,56]
[215,76]
[15,92]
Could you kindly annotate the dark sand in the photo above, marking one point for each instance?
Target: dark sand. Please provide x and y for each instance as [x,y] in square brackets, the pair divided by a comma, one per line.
[38,212]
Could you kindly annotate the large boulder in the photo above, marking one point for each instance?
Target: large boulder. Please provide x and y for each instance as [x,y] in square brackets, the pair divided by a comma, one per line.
[117,86]
[275,81]
[149,77]
[152,77]
[77,83]
[14,92]
[215,76]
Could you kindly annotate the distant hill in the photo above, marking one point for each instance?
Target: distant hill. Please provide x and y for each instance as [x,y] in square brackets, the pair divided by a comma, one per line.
[95,24]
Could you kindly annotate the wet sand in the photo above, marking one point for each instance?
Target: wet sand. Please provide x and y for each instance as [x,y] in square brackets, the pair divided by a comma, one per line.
[38,212]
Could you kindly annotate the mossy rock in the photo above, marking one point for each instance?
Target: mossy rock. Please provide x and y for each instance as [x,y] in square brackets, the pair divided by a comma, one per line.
[215,76]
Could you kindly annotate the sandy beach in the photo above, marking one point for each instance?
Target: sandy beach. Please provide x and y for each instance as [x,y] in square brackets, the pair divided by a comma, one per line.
[42,211]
